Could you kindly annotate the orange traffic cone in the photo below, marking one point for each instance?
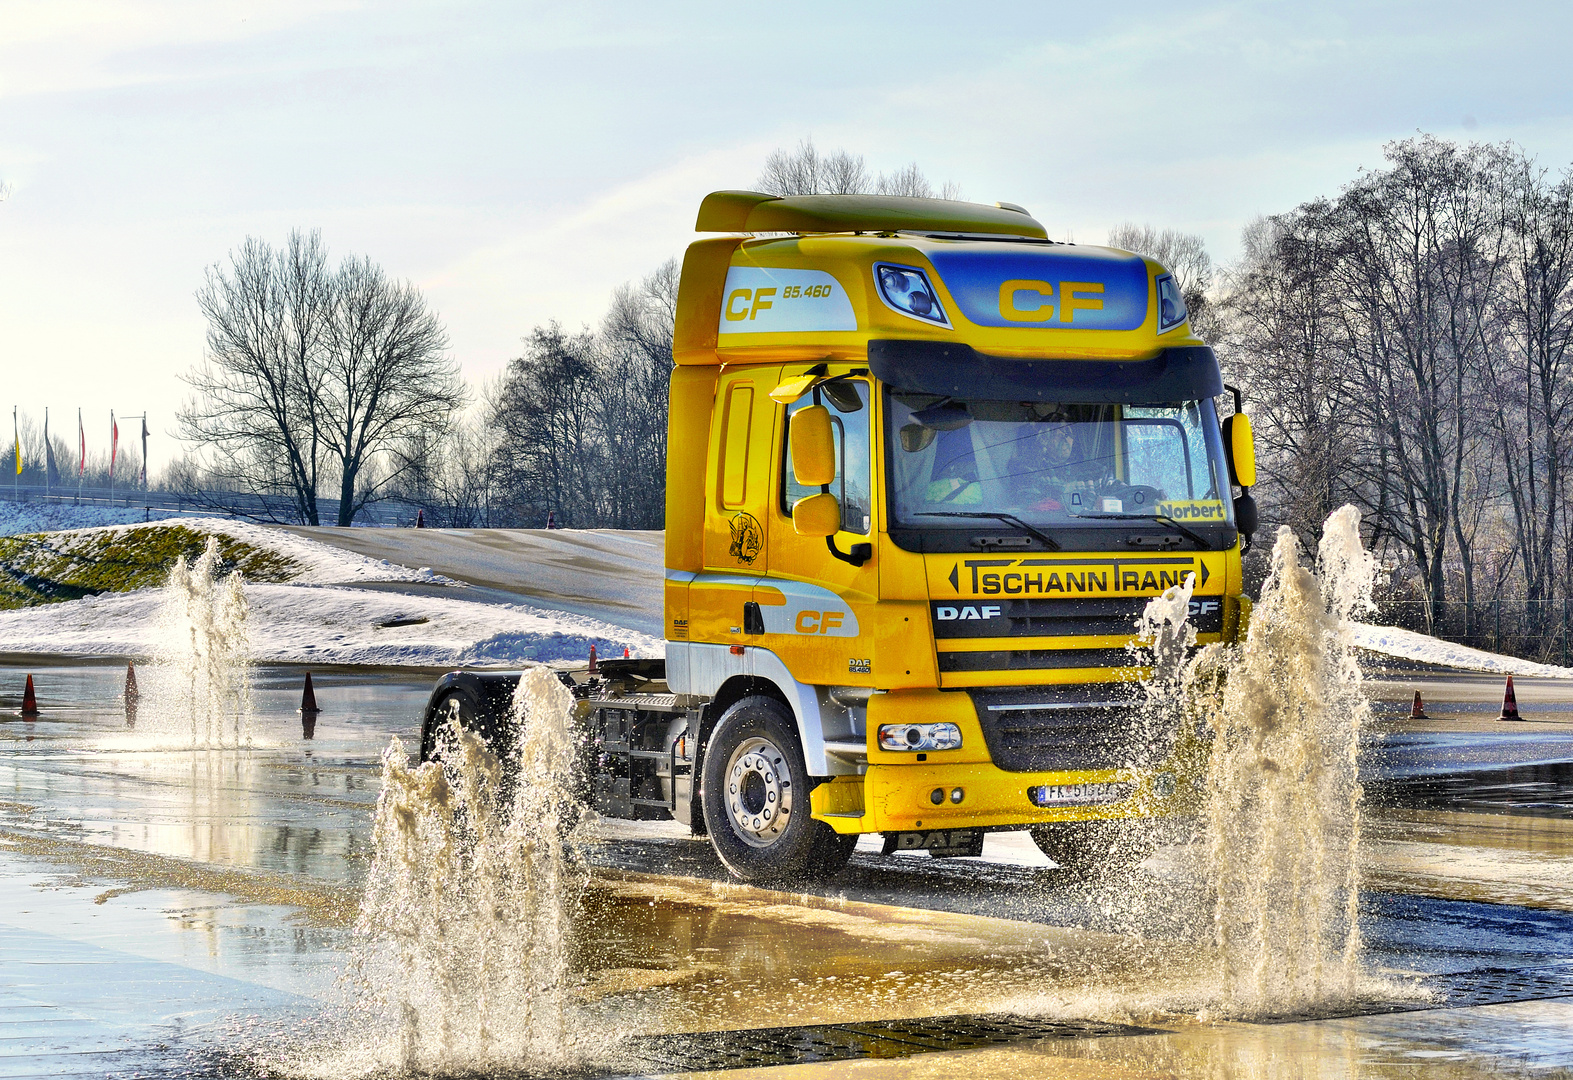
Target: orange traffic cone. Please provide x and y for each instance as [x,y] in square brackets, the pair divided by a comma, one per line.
[133,695]
[1417,711]
[593,670]
[29,701]
[1509,703]
[308,698]
[308,710]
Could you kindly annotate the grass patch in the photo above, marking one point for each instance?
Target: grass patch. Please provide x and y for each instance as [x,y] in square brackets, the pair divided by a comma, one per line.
[47,568]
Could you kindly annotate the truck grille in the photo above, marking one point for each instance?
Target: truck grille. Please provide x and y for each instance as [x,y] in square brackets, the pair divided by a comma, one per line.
[1002,620]
[1047,729]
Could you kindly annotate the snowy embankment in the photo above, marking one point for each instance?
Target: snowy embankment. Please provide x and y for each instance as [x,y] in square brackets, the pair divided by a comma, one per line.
[1421,648]
[334,607]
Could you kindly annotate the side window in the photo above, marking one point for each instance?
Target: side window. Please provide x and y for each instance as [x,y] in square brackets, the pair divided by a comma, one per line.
[849,420]
[734,447]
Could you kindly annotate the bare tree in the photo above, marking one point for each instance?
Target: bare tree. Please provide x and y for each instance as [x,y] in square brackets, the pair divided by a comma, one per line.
[583,416]
[1529,379]
[549,453]
[1280,341]
[1408,346]
[805,171]
[635,367]
[256,399]
[314,376]
[385,379]
[1183,254]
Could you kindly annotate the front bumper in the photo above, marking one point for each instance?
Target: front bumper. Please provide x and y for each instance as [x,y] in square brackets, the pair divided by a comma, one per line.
[895,798]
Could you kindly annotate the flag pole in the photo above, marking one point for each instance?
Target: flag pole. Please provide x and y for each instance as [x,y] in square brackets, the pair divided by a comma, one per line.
[81,461]
[47,452]
[16,437]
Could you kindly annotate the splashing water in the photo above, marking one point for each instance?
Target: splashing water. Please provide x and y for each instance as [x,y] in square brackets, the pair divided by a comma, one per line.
[463,938]
[1283,818]
[200,681]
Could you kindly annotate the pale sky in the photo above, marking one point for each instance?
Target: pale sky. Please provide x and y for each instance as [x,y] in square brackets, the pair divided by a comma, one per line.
[518,161]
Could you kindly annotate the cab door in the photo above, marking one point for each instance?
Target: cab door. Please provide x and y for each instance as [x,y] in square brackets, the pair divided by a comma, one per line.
[817,609]
[737,501]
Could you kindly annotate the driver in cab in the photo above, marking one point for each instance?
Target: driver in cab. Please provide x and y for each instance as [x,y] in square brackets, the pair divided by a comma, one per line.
[1050,471]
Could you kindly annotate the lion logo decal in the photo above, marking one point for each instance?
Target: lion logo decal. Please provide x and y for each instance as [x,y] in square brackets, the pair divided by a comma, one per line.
[748,539]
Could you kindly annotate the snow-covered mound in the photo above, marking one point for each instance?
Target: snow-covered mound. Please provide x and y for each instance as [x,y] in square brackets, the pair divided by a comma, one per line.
[1424,649]
[311,563]
[330,625]
[17,518]
[323,565]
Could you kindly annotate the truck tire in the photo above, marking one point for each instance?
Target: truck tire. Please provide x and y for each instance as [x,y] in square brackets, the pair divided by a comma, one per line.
[756,799]
[1083,847]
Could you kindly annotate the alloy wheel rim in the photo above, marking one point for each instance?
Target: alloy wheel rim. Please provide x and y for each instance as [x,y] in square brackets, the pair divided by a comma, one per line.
[758,792]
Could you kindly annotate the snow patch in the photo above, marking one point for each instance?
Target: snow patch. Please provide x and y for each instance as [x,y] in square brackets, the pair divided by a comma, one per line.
[1410,645]
[334,625]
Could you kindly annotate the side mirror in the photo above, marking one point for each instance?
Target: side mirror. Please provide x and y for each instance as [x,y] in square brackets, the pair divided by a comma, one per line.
[816,515]
[1246,517]
[813,449]
[1240,448]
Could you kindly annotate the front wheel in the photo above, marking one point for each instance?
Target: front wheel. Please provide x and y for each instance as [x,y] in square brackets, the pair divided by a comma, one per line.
[756,799]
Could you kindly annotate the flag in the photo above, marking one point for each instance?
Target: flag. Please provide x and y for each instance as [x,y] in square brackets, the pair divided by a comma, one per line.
[51,470]
[17,435]
[81,438]
[114,444]
[144,449]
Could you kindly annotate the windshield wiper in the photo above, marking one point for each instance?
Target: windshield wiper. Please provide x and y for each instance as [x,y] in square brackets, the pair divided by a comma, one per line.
[1162,519]
[1010,519]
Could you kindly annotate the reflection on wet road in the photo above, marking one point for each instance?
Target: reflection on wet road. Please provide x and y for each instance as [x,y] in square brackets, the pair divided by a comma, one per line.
[161,906]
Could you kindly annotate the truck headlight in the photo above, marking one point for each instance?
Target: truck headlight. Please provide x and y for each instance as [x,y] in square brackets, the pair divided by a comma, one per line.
[919,737]
[1171,304]
[908,291]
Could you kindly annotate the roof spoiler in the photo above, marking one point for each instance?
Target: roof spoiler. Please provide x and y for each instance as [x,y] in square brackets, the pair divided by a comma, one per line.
[756,212]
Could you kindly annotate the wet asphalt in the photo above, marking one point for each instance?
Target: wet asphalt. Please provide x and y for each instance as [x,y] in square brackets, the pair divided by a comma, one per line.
[169,912]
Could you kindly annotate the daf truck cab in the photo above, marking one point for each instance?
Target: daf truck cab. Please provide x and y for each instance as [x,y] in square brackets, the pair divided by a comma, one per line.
[925,470]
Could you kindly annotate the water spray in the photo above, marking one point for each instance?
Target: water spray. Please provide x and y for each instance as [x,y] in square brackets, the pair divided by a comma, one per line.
[1284,797]
[463,936]
[200,682]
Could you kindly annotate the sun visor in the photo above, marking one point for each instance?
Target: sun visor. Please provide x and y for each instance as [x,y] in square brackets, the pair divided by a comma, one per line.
[1184,373]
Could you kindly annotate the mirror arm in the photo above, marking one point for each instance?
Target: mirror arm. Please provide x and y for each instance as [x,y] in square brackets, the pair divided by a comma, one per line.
[859,554]
[1239,406]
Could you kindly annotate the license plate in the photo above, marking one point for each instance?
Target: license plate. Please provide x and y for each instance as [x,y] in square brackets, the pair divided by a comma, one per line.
[940,843]
[1050,795]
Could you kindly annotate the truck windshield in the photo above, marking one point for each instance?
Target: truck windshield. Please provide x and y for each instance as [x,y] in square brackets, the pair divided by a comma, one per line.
[1054,464]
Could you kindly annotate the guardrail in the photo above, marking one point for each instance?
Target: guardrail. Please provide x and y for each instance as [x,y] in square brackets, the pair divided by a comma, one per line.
[265,508]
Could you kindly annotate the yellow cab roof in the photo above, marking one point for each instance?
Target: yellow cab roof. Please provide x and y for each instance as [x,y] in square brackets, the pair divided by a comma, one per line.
[1000,286]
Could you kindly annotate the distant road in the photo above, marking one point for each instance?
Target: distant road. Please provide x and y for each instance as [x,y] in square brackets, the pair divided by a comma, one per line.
[609,574]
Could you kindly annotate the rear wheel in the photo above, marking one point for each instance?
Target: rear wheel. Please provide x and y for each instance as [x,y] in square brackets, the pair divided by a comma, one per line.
[455,705]
[756,799]
[1087,846]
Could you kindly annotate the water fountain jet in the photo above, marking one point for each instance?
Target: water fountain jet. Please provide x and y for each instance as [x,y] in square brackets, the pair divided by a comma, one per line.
[463,936]
[1284,796]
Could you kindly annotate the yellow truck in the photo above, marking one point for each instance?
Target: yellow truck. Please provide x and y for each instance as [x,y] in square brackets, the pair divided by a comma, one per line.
[925,469]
